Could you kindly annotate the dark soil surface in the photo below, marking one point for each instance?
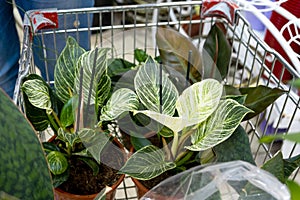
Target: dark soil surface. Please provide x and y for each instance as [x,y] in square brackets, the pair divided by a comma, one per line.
[81,179]
[153,182]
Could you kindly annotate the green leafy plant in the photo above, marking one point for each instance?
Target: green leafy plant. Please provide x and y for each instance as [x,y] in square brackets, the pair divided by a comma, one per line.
[193,122]
[70,108]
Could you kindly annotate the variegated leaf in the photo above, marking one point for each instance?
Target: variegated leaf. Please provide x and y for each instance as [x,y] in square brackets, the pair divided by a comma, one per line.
[219,126]
[199,101]
[92,72]
[57,162]
[103,90]
[147,163]
[38,93]
[71,138]
[65,69]
[94,141]
[147,86]
[122,100]
[176,124]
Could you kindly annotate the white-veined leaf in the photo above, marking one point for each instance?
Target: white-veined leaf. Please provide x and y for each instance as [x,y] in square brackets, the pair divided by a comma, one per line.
[38,93]
[199,101]
[71,138]
[147,86]
[91,74]
[122,100]
[65,69]
[94,141]
[147,163]
[194,105]
[57,162]
[176,124]
[219,126]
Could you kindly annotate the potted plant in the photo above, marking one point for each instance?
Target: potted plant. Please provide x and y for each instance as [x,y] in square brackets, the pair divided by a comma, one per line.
[79,151]
[190,122]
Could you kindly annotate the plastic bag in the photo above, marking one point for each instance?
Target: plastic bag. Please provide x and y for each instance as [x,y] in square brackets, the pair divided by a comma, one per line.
[230,180]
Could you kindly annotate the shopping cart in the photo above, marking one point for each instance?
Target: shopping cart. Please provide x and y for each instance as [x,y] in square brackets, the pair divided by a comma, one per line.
[127,31]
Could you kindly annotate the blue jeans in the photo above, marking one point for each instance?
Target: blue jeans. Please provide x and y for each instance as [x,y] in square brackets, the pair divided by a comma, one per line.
[9,48]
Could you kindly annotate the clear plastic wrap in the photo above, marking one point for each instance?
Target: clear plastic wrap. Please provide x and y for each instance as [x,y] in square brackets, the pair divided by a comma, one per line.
[231,180]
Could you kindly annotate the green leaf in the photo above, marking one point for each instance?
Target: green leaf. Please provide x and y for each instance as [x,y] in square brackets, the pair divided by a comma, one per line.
[138,141]
[290,165]
[92,72]
[199,101]
[49,146]
[176,124]
[259,98]
[231,90]
[65,69]
[37,93]
[103,91]
[282,168]
[276,167]
[219,50]
[123,100]
[71,138]
[165,132]
[23,170]
[147,163]
[94,141]
[37,116]
[147,86]
[140,55]
[176,55]
[294,188]
[236,147]
[239,98]
[219,126]
[118,66]
[60,179]
[57,162]
[294,137]
[296,83]
[67,116]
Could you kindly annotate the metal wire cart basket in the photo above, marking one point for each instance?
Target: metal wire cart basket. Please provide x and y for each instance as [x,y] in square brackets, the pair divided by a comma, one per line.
[132,26]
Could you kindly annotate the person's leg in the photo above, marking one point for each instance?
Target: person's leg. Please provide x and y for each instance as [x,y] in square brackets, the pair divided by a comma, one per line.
[9,48]
[45,53]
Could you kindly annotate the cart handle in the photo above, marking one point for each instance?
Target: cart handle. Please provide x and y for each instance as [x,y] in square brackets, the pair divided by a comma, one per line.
[34,20]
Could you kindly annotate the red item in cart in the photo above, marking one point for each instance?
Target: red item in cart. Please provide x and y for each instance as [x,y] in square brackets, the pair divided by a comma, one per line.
[293,6]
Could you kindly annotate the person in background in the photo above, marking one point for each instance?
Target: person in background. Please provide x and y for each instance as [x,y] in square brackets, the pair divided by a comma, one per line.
[10,42]
[9,48]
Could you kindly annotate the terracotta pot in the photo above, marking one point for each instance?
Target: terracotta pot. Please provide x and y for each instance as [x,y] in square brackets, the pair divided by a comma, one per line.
[59,194]
[62,195]
[142,190]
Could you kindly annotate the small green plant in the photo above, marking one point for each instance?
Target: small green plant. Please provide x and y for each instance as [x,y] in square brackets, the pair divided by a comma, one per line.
[81,86]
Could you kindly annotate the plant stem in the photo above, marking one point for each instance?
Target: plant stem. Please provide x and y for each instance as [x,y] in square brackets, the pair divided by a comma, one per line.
[183,138]
[185,157]
[69,149]
[174,146]
[53,121]
[166,149]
